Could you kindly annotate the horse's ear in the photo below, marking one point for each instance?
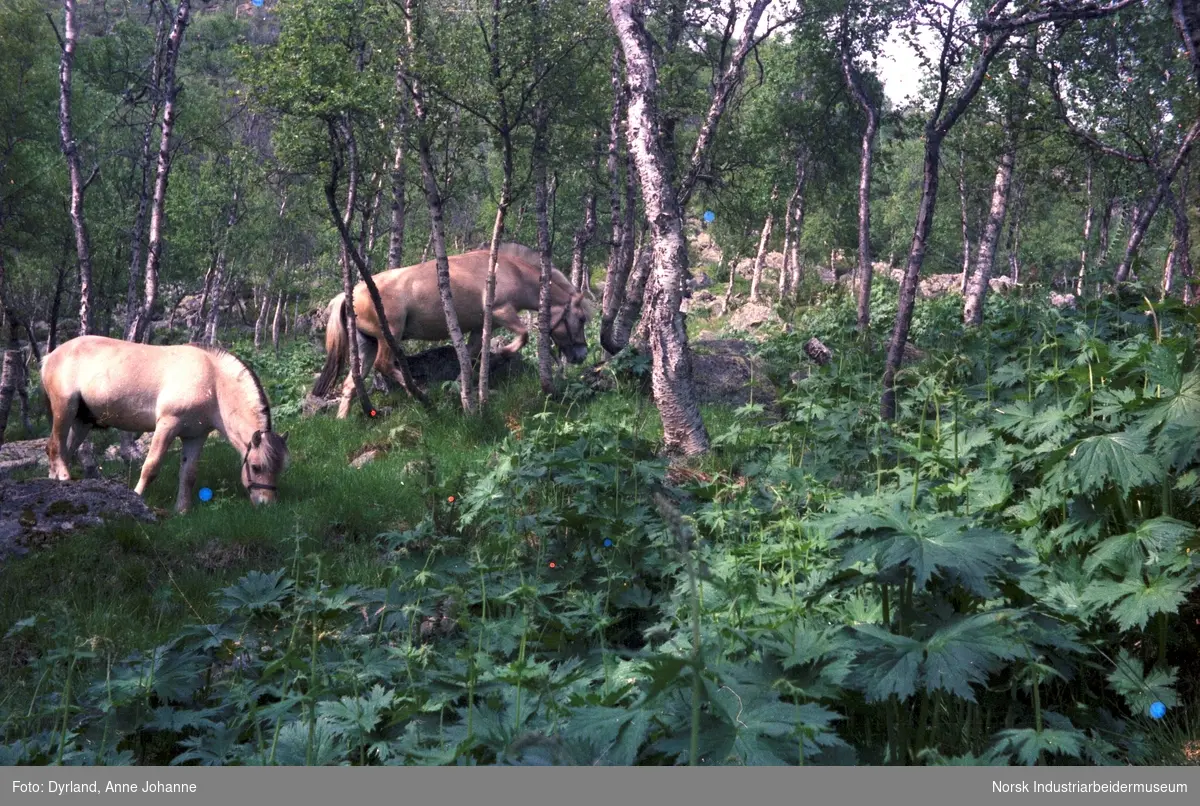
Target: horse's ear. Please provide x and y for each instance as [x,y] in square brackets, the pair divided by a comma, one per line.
[284,436]
[586,305]
[256,440]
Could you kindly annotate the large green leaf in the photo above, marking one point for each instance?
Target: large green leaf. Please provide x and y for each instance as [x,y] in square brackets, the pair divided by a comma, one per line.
[1182,405]
[257,592]
[954,657]
[966,651]
[1028,744]
[1119,459]
[929,544]
[1134,601]
[615,734]
[1139,689]
[1155,541]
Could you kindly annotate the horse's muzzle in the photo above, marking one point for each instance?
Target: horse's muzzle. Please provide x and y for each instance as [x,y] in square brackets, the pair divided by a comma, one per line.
[577,354]
[258,497]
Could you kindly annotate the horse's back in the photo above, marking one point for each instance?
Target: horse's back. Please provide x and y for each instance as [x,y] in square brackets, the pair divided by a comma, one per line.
[411,296]
[124,384]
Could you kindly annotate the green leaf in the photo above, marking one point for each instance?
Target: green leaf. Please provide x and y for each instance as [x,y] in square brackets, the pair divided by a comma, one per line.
[1181,406]
[1117,458]
[177,720]
[1138,689]
[616,734]
[257,591]
[929,544]
[887,664]
[292,747]
[1154,542]
[955,657]
[965,652]
[356,717]
[1134,601]
[1029,744]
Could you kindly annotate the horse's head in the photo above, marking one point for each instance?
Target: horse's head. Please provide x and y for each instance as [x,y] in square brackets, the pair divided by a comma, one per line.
[265,459]
[568,328]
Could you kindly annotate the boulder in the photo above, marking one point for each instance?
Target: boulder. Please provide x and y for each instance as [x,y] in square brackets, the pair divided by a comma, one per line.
[731,375]
[706,249]
[365,458]
[37,511]
[752,315]
[1062,300]
[135,451]
[938,285]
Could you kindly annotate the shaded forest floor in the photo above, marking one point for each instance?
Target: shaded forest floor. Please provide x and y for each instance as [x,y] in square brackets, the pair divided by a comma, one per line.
[1004,575]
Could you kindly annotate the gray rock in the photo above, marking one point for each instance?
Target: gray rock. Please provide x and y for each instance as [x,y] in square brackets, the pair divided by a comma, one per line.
[365,458]
[37,511]
[730,375]
[751,315]
[135,452]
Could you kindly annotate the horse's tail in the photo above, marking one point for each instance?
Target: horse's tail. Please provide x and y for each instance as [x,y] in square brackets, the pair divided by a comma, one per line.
[42,383]
[336,346]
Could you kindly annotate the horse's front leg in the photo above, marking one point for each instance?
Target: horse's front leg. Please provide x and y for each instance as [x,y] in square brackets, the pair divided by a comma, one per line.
[508,317]
[164,435]
[189,465]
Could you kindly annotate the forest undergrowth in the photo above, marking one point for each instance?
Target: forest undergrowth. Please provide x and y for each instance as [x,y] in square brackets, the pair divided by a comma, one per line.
[1006,574]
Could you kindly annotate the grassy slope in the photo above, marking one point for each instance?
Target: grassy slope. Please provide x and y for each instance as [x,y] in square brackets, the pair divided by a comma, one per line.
[131,586]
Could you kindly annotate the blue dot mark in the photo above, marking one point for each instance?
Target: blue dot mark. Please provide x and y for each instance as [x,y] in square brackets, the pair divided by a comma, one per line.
[257,2]
[607,542]
[1157,710]
[709,216]
[205,494]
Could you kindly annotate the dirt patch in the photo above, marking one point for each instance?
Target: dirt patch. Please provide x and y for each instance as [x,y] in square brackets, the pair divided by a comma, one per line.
[220,556]
[36,512]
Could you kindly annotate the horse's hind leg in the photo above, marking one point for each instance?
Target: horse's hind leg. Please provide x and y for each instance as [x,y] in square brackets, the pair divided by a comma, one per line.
[61,419]
[389,366]
[367,348]
[76,437]
[164,434]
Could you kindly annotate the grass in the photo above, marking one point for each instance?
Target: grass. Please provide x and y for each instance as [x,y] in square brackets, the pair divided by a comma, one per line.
[130,584]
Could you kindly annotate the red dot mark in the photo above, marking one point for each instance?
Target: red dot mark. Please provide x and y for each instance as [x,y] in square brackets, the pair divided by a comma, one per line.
[552,565]
[372,412]
[450,499]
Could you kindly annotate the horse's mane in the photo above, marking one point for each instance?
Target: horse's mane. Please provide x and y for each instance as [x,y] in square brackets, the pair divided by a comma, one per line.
[533,259]
[240,367]
[521,252]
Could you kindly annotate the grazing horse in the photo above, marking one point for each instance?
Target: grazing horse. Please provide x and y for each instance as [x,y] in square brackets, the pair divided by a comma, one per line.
[184,391]
[413,306]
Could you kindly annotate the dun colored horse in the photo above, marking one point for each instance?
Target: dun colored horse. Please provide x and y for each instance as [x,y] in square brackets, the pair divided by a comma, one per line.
[185,391]
[413,306]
